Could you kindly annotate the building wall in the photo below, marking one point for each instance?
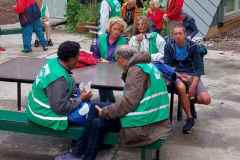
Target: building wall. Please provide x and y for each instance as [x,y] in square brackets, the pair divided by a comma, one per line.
[203,11]
[57,8]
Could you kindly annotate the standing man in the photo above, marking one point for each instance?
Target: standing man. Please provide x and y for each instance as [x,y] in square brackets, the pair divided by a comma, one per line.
[183,54]
[29,17]
[45,22]
[109,8]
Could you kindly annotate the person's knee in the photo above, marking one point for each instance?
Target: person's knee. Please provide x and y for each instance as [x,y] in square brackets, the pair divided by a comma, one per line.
[181,88]
[204,99]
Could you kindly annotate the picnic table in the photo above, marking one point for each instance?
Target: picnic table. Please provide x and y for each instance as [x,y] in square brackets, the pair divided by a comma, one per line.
[24,70]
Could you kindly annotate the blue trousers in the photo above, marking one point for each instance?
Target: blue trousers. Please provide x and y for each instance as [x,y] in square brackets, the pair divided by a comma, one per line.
[92,139]
[27,31]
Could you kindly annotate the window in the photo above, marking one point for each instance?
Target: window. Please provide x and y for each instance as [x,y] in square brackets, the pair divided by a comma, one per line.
[231,7]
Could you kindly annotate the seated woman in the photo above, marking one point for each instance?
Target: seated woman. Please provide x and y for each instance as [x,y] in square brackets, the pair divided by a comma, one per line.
[105,48]
[155,15]
[146,41]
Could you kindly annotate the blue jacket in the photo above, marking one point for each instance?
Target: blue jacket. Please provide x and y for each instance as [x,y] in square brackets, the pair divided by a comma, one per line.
[192,64]
[190,26]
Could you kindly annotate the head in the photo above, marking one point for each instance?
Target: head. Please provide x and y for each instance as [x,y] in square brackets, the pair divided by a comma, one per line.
[131,4]
[68,53]
[123,54]
[154,4]
[179,34]
[141,25]
[116,26]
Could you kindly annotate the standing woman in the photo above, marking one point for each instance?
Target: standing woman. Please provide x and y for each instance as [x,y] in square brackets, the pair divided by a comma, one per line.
[146,41]
[105,49]
[29,17]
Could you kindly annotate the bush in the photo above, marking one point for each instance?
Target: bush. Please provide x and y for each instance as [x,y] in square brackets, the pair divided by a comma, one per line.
[80,13]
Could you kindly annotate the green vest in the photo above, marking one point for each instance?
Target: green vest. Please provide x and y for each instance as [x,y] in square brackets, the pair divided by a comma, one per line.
[153,43]
[44,8]
[103,44]
[115,8]
[154,106]
[38,109]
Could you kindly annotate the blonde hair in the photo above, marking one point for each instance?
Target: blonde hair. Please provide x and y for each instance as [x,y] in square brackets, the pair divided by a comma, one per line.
[116,20]
[155,3]
[144,20]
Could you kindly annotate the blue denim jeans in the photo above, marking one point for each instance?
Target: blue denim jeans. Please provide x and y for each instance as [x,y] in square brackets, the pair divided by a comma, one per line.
[27,31]
[92,139]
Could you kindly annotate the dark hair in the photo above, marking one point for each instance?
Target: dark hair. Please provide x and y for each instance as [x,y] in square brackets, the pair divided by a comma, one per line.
[179,25]
[67,50]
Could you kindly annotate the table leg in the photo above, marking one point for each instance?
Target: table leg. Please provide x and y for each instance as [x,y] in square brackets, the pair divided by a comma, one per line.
[19,96]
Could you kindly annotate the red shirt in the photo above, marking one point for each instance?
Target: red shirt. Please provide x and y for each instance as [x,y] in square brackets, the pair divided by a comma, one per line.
[21,5]
[174,10]
[156,17]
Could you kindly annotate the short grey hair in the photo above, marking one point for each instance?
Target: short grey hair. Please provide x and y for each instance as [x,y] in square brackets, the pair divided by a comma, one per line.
[125,52]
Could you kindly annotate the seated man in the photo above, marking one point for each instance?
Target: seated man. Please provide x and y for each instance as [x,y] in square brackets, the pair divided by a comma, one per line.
[49,102]
[142,113]
[183,54]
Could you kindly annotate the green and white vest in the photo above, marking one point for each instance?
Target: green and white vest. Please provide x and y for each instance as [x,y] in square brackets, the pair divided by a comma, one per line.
[154,106]
[103,44]
[115,8]
[153,43]
[38,109]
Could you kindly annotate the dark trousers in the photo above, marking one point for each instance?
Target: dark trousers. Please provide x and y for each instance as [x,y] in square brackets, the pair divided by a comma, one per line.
[106,95]
[93,137]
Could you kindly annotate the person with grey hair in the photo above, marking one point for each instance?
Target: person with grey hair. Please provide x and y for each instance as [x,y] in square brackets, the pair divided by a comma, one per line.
[139,119]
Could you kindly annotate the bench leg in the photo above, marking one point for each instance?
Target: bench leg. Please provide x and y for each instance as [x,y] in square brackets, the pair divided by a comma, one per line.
[179,111]
[19,96]
[171,107]
[146,154]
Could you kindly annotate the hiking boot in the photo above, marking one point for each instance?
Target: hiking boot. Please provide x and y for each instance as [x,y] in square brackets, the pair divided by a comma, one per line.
[188,126]
[45,48]
[67,156]
[36,43]
[49,43]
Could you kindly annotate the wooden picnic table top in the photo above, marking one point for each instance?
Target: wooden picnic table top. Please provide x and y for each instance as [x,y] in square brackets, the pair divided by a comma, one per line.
[25,70]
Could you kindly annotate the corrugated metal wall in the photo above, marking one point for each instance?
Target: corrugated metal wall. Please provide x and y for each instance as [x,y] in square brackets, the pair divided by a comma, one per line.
[57,8]
[203,11]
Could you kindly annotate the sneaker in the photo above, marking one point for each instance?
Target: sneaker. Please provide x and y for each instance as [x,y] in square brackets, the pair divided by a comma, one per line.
[45,48]
[26,51]
[36,43]
[49,43]
[188,126]
[67,156]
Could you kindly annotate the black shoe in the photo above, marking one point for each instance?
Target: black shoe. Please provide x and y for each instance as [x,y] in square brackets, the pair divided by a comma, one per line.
[49,43]
[45,48]
[188,126]
[36,43]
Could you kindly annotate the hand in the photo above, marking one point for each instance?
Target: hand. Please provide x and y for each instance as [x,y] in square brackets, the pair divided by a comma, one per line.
[85,96]
[139,37]
[183,77]
[165,17]
[99,110]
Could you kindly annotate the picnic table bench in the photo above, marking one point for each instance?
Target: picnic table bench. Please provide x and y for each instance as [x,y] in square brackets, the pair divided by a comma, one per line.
[24,70]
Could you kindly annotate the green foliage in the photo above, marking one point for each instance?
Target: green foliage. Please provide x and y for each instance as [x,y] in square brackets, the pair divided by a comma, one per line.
[79,13]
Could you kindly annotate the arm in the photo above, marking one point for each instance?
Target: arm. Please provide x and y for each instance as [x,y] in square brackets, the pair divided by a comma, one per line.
[160,45]
[177,9]
[58,97]
[104,16]
[168,58]
[135,86]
